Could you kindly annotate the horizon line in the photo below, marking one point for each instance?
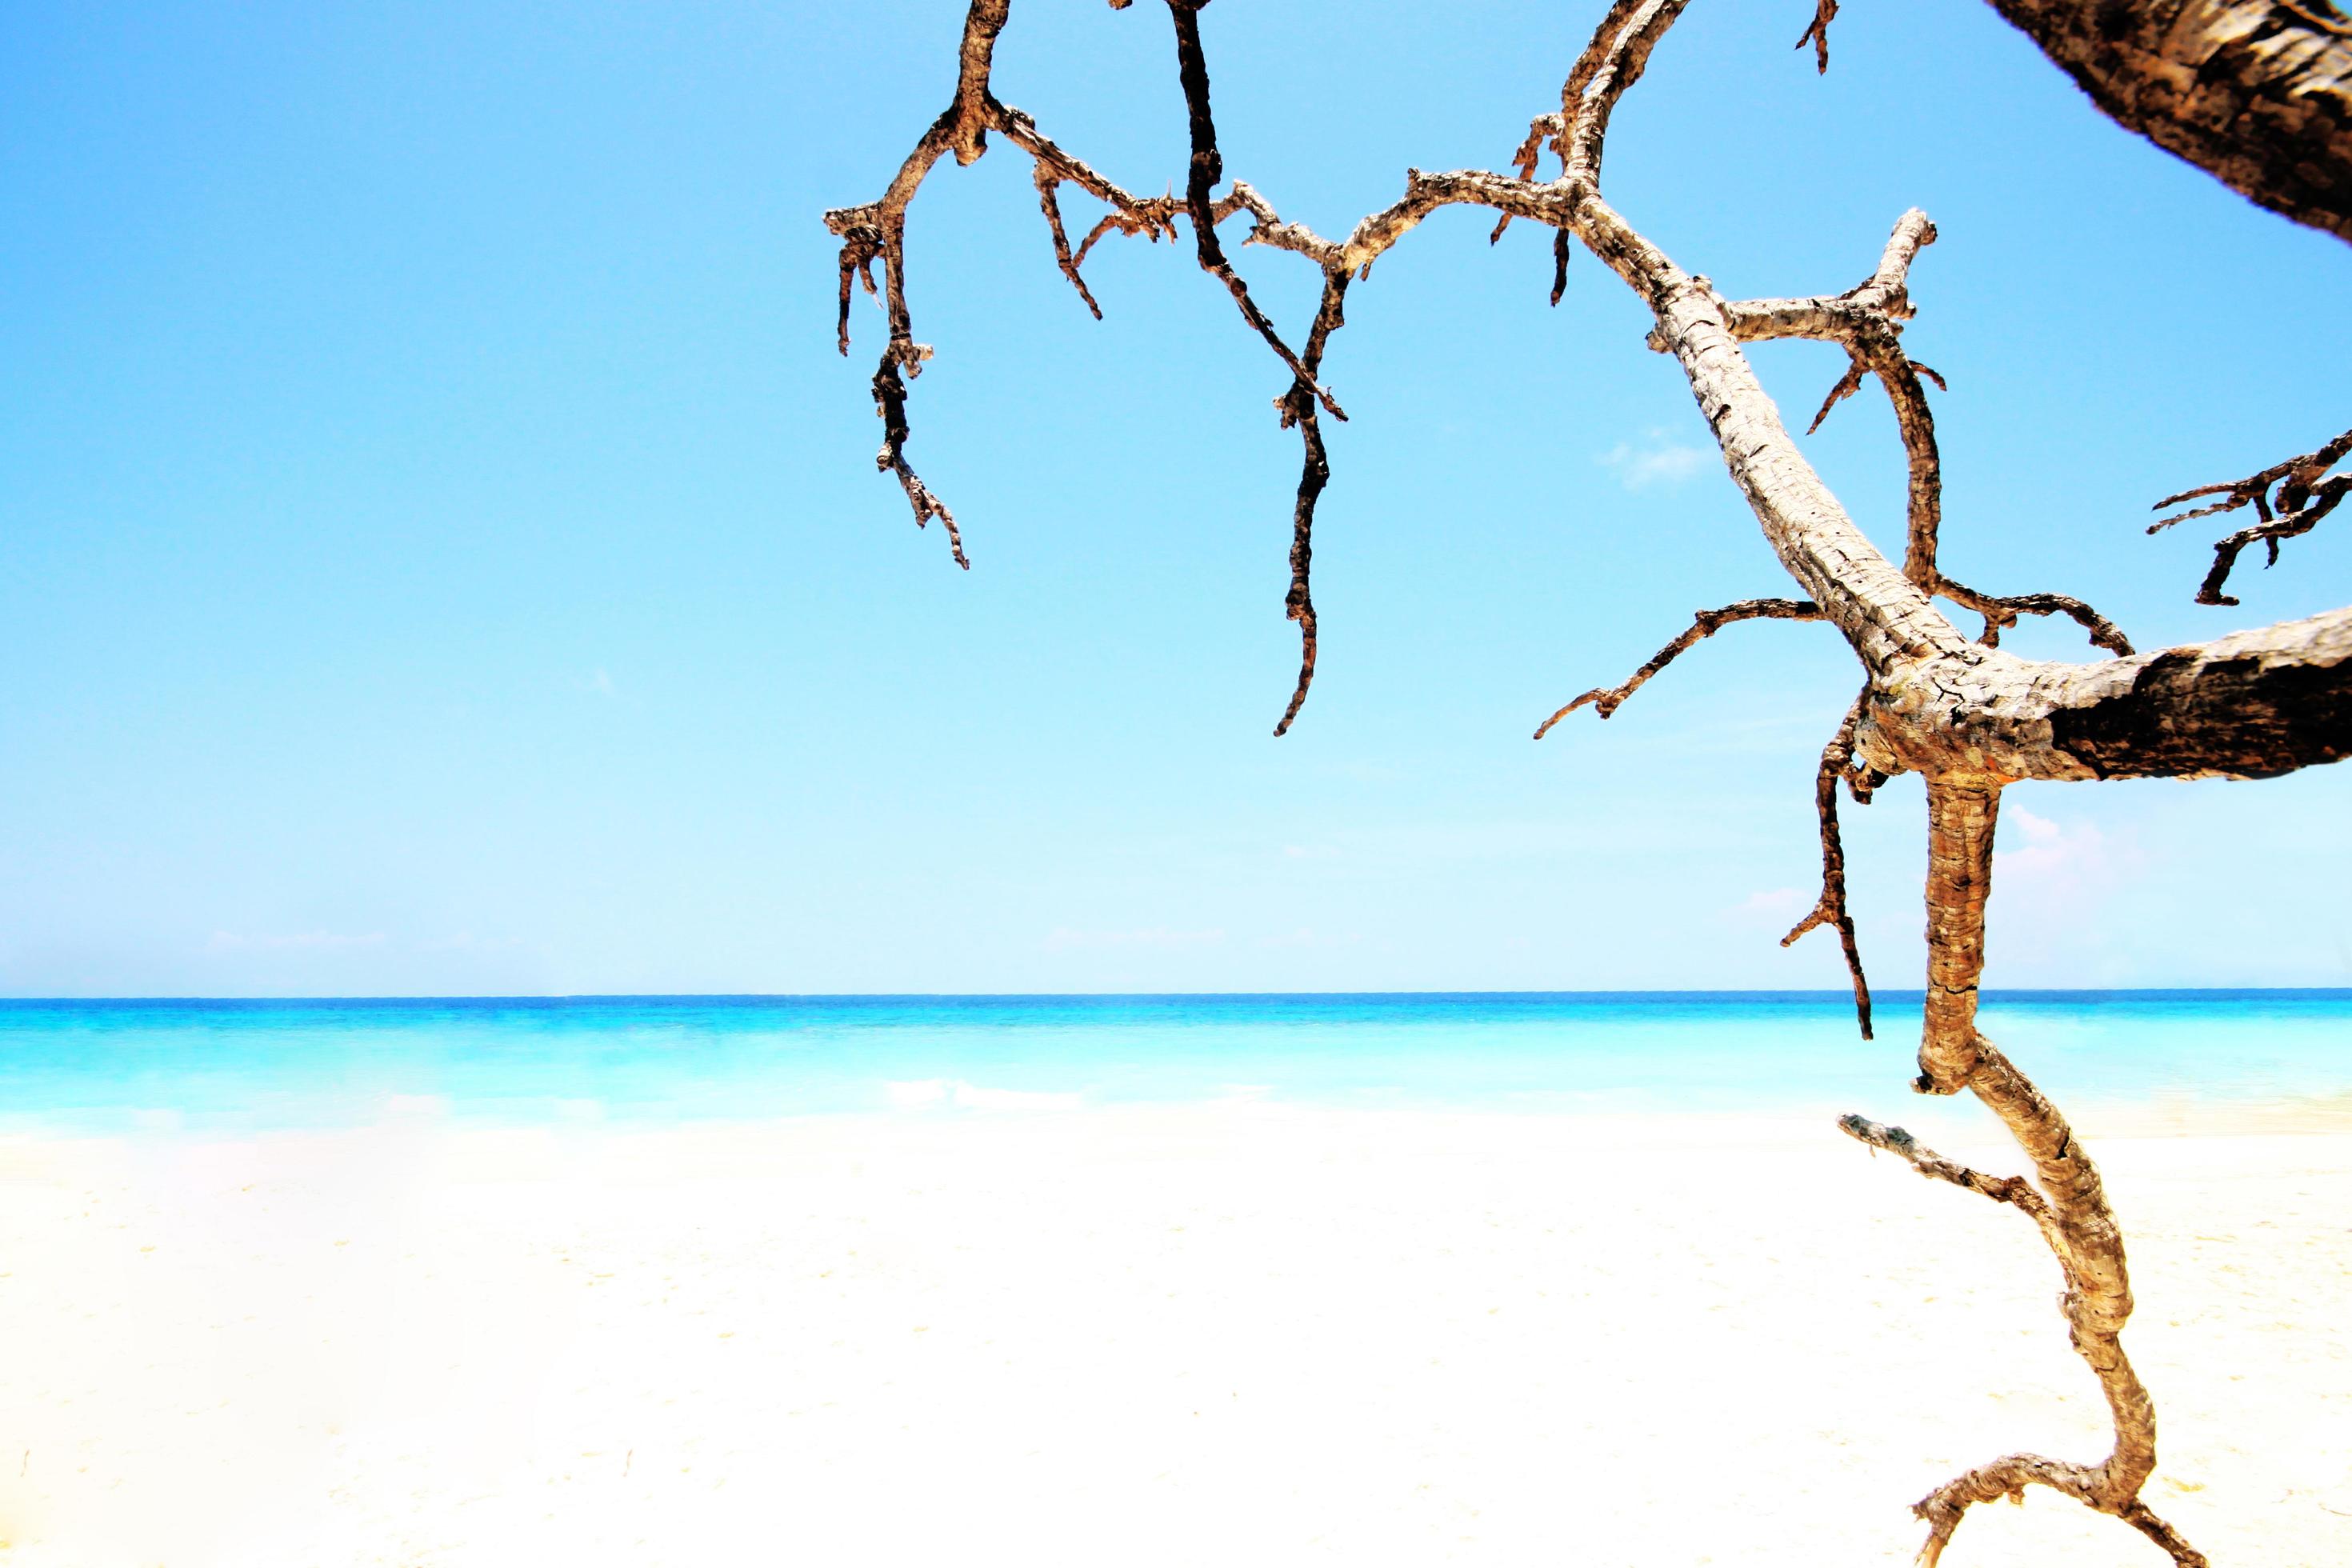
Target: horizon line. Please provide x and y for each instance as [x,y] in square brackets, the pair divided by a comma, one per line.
[1839,993]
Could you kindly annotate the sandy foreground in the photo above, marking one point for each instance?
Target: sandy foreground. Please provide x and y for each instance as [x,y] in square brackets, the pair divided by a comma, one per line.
[986,1331]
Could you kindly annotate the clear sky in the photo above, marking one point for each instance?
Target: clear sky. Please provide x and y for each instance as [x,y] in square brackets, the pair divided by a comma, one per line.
[443,552]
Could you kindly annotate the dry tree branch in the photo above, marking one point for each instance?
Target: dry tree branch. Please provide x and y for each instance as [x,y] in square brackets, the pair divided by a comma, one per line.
[891,401]
[2257,93]
[1314,472]
[1207,168]
[1867,321]
[1606,700]
[1049,184]
[1830,910]
[1969,716]
[2070,1206]
[2013,1190]
[2000,613]
[1817,34]
[2303,495]
[877,230]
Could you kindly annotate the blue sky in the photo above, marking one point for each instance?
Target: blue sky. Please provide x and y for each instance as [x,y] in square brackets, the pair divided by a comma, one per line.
[443,552]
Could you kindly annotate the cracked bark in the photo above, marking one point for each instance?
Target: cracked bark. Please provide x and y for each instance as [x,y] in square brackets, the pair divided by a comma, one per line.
[1966,714]
[2257,93]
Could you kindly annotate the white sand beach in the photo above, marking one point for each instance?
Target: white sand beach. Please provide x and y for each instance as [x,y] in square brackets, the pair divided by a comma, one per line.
[1227,1333]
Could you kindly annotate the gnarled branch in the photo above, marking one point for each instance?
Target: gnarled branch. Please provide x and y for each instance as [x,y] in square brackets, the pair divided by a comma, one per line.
[1967,715]
[2070,1206]
[1829,909]
[2304,495]
[1606,700]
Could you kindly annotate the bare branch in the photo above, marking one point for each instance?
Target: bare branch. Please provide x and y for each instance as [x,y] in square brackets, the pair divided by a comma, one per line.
[1963,713]
[2068,1203]
[2257,93]
[1830,910]
[2013,1190]
[2000,613]
[1605,700]
[1314,472]
[1048,183]
[2303,495]
[890,403]
[860,244]
[1817,34]
[1607,70]
[1847,386]
[1544,128]
[1208,167]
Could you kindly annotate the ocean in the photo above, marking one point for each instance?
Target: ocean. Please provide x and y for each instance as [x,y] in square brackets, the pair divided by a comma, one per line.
[233,1067]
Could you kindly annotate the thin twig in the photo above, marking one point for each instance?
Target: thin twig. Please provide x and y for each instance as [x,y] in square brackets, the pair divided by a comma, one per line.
[1605,700]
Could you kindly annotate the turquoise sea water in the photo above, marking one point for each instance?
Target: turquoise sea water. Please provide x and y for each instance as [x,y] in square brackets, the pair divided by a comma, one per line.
[231,1066]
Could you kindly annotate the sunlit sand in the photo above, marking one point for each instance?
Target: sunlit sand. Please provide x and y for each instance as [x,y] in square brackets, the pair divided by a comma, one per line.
[983,1329]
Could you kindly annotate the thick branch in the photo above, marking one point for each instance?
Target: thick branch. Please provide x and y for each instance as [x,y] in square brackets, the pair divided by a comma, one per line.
[2252,704]
[2257,93]
[2070,1208]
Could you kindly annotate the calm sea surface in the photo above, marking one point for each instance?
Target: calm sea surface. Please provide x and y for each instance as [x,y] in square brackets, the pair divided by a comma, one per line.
[233,1066]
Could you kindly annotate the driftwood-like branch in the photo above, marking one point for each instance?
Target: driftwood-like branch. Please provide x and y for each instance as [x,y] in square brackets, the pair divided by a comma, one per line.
[2013,1190]
[2257,93]
[2070,1208]
[1967,715]
[2304,495]
[1606,700]
[1867,321]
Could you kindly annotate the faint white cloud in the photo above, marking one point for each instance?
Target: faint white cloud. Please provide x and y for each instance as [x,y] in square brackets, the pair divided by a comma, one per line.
[2057,857]
[1066,939]
[600,683]
[1658,461]
[293,941]
[1309,852]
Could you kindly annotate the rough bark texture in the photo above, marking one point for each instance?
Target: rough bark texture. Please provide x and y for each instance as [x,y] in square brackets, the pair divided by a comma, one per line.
[2257,93]
[1959,710]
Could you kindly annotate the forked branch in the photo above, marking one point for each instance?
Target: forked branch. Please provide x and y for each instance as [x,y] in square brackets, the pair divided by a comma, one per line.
[1867,321]
[2289,499]
[1830,910]
[2069,1204]
[1967,714]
